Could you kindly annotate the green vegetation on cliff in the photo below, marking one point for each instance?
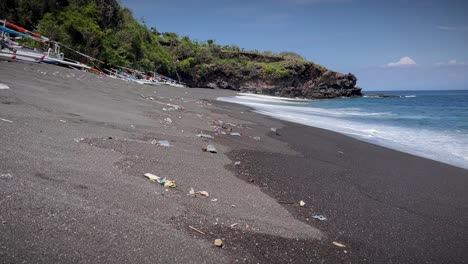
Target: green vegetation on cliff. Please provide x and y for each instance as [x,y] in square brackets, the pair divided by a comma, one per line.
[105,30]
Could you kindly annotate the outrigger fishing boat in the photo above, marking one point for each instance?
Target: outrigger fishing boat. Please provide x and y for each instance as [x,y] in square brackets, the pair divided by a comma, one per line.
[12,50]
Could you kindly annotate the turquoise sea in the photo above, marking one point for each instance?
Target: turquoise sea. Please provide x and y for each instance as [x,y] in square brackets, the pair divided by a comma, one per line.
[431,124]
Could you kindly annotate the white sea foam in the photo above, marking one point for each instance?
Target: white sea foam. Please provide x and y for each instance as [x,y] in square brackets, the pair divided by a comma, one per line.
[410,96]
[444,146]
[4,86]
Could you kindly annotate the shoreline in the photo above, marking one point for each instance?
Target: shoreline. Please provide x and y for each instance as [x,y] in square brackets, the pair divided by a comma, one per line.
[75,152]
[450,158]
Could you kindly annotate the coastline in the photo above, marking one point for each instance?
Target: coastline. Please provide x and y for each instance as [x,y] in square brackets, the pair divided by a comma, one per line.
[383,205]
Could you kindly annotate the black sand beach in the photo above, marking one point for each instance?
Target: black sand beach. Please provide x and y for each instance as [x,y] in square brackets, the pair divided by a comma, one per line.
[75,147]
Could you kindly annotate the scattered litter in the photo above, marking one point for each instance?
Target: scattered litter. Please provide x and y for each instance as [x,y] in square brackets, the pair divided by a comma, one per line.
[164,109]
[237,163]
[302,203]
[170,184]
[251,180]
[63,121]
[162,181]
[132,126]
[218,242]
[319,217]
[214,200]
[176,107]
[340,152]
[210,148]
[202,135]
[78,139]
[203,193]
[338,244]
[256,138]
[193,228]
[274,130]
[168,120]
[194,193]
[4,86]
[6,120]
[236,134]
[164,143]
[234,225]
[6,176]
[231,124]
[152,177]
[110,138]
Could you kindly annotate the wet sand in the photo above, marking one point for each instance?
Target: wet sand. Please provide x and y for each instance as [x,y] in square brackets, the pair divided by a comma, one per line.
[72,189]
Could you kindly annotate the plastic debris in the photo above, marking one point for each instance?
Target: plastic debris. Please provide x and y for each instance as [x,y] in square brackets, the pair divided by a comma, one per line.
[302,203]
[6,120]
[205,135]
[152,177]
[78,139]
[63,121]
[234,225]
[210,148]
[203,193]
[4,86]
[319,217]
[199,231]
[274,130]
[176,107]
[214,200]
[236,134]
[170,184]
[340,152]
[163,181]
[6,176]
[192,191]
[256,138]
[164,143]
[168,120]
[237,163]
[218,242]
[338,244]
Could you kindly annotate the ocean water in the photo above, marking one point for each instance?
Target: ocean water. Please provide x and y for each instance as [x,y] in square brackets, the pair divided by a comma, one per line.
[431,124]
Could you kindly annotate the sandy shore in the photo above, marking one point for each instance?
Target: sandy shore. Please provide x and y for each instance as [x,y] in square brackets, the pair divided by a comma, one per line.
[75,147]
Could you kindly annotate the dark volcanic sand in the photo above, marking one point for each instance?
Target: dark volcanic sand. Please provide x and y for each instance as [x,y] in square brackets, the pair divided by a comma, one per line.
[75,146]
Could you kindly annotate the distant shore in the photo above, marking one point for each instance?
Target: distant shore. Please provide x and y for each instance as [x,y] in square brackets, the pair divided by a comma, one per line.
[72,186]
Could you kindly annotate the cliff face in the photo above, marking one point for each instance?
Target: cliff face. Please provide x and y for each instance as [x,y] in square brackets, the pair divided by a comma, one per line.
[299,79]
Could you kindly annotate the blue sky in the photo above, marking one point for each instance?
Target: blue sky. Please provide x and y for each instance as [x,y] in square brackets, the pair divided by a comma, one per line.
[389,45]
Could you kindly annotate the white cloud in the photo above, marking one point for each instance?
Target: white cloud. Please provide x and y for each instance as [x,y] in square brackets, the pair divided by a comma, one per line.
[403,62]
[451,63]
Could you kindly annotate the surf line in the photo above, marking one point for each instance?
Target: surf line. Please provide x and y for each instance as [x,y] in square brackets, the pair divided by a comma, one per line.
[6,120]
